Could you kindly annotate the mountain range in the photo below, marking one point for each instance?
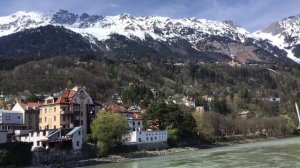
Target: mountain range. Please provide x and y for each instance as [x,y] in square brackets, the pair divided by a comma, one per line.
[32,34]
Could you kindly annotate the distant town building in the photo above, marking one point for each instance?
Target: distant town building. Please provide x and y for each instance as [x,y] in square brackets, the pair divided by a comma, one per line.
[30,111]
[5,102]
[135,109]
[208,98]
[234,63]
[200,109]
[246,114]
[185,101]
[272,99]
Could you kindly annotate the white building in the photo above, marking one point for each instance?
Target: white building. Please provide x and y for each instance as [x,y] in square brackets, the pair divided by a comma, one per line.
[51,138]
[185,101]
[9,119]
[77,137]
[148,136]
[135,122]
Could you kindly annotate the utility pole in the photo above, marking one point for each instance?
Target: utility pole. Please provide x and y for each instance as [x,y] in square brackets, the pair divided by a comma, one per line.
[297,110]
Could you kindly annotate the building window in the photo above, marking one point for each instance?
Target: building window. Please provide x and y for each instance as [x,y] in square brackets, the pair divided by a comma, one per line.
[37,143]
[81,122]
[64,118]
[54,126]
[44,133]
[79,132]
[40,120]
[54,118]
[7,118]
[133,123]
[140,140]
[139,123]
[45,110]
[133,129]
[81,93]
[78,143]
[45,119]
[19,117]
[54,109]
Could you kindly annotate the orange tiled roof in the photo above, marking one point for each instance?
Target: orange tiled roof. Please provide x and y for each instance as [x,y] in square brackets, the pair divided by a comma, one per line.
[137,116]
[66,96]
[30,105]
[115,108]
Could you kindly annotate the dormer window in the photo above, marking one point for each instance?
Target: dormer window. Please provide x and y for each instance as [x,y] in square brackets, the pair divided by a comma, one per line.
[81,93]
[49,101]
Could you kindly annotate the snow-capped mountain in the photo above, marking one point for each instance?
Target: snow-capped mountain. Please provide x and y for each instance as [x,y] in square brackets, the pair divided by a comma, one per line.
[159,28]
[126,35]
[285,34]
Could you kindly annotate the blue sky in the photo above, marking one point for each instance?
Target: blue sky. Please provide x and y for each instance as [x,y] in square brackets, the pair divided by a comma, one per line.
[251,14]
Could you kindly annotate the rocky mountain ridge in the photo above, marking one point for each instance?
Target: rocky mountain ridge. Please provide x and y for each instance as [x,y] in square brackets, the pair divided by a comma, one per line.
[120,35]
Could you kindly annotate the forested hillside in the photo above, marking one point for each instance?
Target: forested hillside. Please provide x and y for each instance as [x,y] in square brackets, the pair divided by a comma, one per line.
[239,87]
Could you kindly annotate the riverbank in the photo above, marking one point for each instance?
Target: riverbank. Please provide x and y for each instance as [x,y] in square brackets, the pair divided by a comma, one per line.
[234,140]
[122,157]
[229,141]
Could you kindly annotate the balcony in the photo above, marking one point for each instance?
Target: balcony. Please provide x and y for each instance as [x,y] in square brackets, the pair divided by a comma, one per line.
[66,112]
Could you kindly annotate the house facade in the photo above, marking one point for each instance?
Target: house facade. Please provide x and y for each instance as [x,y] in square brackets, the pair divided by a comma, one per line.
[72,108]
[30,112]
[148,136]
[52,138]
[9,120]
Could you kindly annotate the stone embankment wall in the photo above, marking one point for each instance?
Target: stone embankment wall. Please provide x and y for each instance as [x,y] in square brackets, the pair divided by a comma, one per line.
[45,157]
[151,146]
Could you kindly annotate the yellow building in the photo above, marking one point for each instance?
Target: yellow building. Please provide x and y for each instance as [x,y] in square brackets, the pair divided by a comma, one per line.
[73,107]
[2,100]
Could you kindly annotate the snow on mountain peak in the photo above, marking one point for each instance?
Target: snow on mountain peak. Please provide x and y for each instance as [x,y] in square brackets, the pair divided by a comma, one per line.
[20,21]
[285,34]
[157,27]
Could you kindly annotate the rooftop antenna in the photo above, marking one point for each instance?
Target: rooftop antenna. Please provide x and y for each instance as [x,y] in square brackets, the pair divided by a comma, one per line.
[297,109]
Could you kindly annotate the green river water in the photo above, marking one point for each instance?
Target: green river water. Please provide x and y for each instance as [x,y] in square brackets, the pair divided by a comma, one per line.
[276,153]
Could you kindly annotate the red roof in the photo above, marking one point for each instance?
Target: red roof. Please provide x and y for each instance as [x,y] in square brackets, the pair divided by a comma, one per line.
[66,96]
[30,105]
[137,116]
[115,108]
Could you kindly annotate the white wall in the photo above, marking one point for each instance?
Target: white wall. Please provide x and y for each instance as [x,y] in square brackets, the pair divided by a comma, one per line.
[136,126]
[18,107]
[148,136]
[11,117]
[35,137]
[77,138]
[3,137]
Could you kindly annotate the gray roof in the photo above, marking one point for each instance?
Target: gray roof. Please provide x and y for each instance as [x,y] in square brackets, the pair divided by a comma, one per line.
[75,129]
